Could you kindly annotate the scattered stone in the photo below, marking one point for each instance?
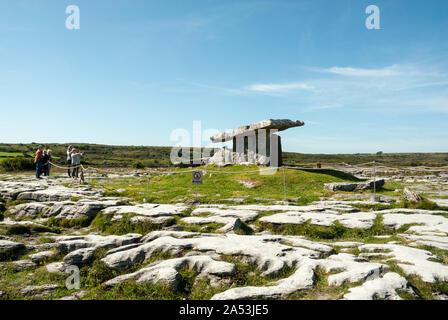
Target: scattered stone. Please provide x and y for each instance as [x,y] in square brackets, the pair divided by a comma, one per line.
[10,249]
[411,196]
[42,256]
[440,296]
[75,296]
[247,183]
[236,224]
[56,267]
[359,186]
[24,265]
[39,291]
[80,257]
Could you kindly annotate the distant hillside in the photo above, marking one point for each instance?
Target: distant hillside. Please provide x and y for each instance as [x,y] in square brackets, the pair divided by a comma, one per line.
[124,156]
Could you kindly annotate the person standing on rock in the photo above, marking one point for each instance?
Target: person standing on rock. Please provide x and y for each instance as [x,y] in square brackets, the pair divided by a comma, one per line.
[48,165]
[69,160]
[38,161]
[76,162]
[44,162]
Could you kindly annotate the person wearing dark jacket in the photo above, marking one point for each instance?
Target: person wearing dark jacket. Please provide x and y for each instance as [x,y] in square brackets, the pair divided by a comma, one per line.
[69,160]
[45,159]
[48,164]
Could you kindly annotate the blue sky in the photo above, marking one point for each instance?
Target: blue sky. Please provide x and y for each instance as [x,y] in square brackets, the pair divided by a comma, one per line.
[136,70]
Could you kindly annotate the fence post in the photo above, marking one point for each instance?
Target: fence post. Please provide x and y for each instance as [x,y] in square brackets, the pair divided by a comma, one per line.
[374,180]
[147,187]
[284,185]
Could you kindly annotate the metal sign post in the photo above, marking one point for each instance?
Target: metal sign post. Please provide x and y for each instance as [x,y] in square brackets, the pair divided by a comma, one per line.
[197,178]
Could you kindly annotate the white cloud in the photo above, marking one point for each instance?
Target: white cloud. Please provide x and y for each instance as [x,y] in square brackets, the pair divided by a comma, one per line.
[393,70]
[322,107]
[279,87]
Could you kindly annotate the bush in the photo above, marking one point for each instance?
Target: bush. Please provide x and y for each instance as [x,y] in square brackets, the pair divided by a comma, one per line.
[138,165]
[17,164]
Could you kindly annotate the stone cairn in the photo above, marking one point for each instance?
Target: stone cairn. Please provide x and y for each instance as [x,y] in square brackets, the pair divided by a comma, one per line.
[257,143]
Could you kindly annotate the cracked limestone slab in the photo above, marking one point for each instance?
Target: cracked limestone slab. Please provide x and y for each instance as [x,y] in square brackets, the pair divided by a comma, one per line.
[9,190]
[426,222]
[77,209]
[335,207]
[9,223]
[58,193]
[411,260]
[167,271]
[440,202]
[42,256]
[267,252]
[207,220]
[436,241]
[154,220]
[148,209]
[385,288]
[353,268]
[244,215]
[303,278]
[10,248]
[71,243]
[29,210]
[362,220]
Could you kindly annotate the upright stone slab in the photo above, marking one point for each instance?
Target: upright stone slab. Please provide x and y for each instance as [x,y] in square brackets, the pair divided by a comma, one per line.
[257,143]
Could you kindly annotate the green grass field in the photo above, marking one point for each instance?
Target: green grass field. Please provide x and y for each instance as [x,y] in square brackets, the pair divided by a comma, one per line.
[302,187]
[154,156]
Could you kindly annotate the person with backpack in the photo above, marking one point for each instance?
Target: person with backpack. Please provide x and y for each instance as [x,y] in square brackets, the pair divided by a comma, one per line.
[45,160]
[76,162]
[48,164]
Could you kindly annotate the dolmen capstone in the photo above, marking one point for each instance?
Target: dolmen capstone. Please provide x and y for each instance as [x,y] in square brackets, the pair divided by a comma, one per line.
[257,143]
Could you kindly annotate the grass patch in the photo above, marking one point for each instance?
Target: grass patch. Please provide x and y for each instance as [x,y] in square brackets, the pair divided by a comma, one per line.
[76,223]
[19,229]
[131,290]
[11,282]
[424,204]
[305,186]
[104,224]
[334,232]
